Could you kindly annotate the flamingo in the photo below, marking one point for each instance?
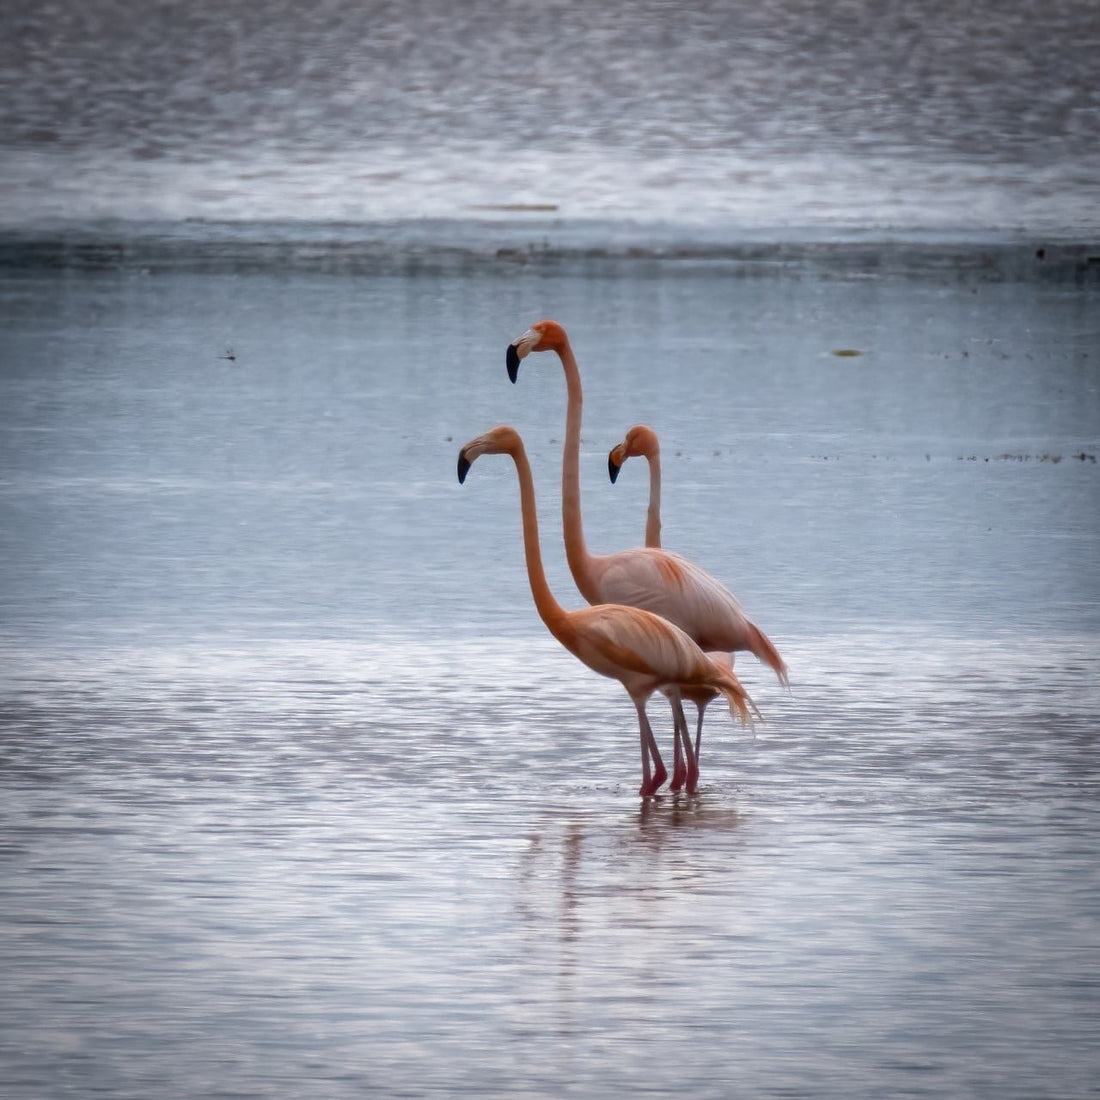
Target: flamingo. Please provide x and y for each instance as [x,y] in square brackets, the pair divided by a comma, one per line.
[646,577]
[641,441]
[636,647]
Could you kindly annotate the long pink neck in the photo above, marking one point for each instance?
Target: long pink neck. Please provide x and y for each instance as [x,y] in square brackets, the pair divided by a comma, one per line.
[550,611]
[576,552]
[653,514]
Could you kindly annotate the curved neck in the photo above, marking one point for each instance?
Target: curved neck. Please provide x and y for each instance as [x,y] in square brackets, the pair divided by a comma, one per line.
[653,515]
[550,611]
[576,552]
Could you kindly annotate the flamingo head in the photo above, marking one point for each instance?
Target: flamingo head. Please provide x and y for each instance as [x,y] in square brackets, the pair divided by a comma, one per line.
[496,441]
[541,336]
[640,440]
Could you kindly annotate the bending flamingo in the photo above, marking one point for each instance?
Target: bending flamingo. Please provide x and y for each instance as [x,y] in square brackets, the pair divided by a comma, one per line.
[650,578]
[641,441]
[636,647]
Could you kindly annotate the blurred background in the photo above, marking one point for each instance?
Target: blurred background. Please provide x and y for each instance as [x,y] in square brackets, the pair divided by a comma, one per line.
[851,115]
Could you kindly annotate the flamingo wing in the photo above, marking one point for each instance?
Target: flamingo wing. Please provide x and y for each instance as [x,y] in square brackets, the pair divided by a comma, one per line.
[676,589]
[640,642]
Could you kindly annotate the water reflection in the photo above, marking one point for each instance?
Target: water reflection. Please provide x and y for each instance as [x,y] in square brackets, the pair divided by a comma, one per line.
[657,816]
[597,854]
[587,877]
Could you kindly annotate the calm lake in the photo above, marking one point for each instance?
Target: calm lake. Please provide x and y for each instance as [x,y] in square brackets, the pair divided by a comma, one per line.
[300,799]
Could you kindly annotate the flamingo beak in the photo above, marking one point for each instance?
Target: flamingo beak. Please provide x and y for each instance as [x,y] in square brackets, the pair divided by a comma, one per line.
[614,465]
[471,451]
[518,349]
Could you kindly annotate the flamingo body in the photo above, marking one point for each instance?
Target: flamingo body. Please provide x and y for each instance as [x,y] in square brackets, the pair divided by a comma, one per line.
[629,644]
[649,577]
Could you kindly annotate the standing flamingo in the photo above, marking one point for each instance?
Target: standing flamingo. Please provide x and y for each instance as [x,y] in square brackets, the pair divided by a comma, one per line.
[636,647]
[647,577]
[641,441]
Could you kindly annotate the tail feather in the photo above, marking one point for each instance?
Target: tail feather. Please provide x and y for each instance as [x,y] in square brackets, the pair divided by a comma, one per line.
[762,648]
[740,702]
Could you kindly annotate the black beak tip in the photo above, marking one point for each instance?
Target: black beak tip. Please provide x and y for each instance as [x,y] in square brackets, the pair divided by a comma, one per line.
[512,362]
[613,469]
[463,468]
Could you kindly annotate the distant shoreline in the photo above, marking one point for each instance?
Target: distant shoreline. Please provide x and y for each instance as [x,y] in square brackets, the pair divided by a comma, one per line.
[513,244]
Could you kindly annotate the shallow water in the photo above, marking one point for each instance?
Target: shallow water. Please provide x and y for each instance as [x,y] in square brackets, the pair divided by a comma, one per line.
[300,799]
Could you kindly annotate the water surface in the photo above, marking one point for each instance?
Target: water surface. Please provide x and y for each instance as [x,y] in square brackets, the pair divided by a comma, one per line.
[300,799]
[793,113]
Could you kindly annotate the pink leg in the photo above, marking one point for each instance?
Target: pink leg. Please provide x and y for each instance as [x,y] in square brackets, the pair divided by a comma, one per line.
[647,778]
[692,767]
[654,785]
[693,784]
[679,724]
[651,781]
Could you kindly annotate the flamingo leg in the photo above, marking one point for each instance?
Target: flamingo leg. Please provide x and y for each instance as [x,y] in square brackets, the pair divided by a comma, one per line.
[651,780]
[699,738]
[691,765]
[679,734]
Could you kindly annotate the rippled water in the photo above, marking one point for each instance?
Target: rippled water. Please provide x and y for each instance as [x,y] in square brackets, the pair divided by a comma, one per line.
[299,798]
[271,873]
[914,116]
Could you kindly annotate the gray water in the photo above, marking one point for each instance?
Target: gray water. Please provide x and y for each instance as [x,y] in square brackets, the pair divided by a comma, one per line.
[300,799]
[808,113]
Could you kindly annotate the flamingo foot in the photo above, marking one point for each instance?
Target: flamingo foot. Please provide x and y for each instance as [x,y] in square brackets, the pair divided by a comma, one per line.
[655,783]
[679,776]
[693,780]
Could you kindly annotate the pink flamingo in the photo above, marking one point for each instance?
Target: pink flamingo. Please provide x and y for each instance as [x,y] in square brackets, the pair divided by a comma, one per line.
[641,441]
[636,647]
[647,577]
